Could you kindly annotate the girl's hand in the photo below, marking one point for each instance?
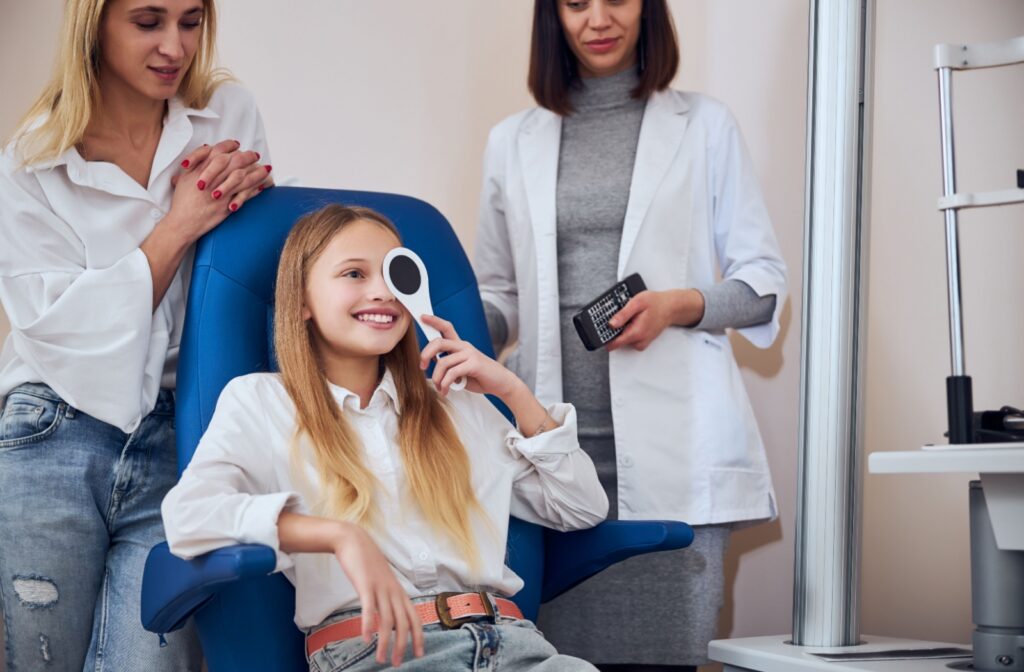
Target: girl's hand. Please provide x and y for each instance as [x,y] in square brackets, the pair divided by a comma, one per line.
[382,598]
[649,313]
[483,374]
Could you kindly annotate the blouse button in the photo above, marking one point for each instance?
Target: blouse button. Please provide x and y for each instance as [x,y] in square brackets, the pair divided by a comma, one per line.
[423,555]
[155,213]
[626,461]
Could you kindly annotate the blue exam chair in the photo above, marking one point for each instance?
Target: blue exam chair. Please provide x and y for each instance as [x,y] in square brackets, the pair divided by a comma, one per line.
[243,612]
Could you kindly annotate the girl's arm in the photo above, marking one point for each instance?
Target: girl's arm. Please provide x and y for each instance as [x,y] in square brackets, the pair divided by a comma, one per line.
[229,493]
[556,485]
[367,568]
[484,376]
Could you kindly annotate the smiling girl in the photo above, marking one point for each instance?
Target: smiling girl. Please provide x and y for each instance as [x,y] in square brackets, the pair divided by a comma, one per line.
[386,496]
[133,151]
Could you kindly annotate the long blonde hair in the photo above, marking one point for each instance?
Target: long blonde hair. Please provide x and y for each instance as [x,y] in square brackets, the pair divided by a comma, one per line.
[436,462]
[68,101]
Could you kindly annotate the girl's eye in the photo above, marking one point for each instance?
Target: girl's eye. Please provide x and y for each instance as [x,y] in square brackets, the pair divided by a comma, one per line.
[352,274]
[576,5]
[191,25]
[147,26]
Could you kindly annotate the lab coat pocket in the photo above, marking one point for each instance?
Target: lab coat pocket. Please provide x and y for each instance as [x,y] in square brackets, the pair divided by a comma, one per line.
[727,435]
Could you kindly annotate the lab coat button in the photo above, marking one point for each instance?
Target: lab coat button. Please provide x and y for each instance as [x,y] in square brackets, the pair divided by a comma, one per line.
[423,555]
[155,213]
[626,461]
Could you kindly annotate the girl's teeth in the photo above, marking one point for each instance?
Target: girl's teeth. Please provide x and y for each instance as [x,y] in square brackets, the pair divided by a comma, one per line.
[376,318]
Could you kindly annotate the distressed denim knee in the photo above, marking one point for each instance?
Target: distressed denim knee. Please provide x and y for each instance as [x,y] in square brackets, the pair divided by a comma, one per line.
[59,475]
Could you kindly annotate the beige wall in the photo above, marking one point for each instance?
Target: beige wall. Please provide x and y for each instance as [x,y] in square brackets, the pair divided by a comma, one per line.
[398,96]
[916,567]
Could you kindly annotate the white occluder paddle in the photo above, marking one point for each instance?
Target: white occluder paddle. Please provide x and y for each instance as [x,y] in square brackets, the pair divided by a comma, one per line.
[406,277]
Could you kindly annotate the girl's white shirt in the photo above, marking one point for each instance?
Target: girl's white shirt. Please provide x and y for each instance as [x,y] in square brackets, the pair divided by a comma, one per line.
[240,480]
[74,283]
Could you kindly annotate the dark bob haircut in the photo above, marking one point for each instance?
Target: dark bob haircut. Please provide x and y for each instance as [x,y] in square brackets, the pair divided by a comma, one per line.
[553,66]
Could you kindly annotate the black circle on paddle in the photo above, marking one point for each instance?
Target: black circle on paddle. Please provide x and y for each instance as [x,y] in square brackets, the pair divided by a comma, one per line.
[405,275]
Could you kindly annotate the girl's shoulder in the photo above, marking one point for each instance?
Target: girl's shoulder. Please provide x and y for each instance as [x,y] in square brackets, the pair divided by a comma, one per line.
[255,388]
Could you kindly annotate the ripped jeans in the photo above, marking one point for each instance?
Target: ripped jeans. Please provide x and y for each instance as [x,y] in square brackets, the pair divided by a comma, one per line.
[79,511]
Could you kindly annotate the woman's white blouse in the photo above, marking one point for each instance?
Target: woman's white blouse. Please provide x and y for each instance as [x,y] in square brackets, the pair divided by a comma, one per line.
[240,480]
[74,283]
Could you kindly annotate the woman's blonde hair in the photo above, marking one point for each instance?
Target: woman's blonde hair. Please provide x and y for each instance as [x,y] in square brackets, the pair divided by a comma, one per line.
[436,462]
[68,101]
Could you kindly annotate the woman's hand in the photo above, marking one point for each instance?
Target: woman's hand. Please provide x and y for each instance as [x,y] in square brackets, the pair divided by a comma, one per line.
[649,313]
[461,359]
[381,596]
[216,181]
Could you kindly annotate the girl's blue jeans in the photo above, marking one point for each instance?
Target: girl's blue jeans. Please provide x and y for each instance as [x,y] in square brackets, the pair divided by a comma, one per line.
[79,511]
[508,645]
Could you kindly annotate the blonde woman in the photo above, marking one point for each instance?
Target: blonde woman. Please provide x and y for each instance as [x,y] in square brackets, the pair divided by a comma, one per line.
[130,154]
[350,452]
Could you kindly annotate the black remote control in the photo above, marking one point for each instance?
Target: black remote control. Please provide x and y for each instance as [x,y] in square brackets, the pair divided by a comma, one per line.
[592,322]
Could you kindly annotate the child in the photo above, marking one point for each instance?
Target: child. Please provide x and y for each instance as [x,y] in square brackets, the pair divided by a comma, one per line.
[351,452]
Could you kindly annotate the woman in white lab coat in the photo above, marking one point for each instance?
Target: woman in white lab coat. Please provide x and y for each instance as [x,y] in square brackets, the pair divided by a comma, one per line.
[134,150]
[615,173]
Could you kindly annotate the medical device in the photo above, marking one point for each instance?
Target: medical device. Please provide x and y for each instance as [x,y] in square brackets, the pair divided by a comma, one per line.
[406,277]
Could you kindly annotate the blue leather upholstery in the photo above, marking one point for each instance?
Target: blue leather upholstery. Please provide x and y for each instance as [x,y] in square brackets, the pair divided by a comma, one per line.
[244,613]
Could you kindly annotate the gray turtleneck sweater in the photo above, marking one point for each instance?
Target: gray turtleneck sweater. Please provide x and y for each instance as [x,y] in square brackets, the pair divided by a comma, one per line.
[595,167]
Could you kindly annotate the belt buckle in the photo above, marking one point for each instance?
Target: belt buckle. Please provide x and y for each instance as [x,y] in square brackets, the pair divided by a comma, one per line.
[445,615]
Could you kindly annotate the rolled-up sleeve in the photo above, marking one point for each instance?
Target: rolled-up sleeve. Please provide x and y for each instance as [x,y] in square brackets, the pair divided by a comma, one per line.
[227,494]
[555,482]
[62,310]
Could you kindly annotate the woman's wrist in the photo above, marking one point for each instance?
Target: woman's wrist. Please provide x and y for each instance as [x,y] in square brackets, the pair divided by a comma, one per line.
[686,307]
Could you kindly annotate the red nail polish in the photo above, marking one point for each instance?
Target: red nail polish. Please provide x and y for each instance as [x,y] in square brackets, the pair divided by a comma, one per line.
[259,188]
[233,207]
[268,167]
[217,194]
[201,184]
[257,156]
[185,163]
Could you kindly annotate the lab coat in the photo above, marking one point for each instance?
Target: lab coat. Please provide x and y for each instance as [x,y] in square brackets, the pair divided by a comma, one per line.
[686,440]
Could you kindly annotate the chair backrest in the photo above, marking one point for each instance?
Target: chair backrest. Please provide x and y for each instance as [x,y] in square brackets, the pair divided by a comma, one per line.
[229,332]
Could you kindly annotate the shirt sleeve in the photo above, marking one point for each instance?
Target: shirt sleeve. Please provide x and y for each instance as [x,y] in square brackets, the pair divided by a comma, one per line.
[63,309]
[493,259]
[744,239]
[733,304]
[227,493]
[555,483]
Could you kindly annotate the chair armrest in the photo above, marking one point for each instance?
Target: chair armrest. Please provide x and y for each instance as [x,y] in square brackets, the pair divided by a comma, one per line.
[173,589]
[573,557]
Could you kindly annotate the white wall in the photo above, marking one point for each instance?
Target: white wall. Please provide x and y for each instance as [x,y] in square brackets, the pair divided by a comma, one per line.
[398,96]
